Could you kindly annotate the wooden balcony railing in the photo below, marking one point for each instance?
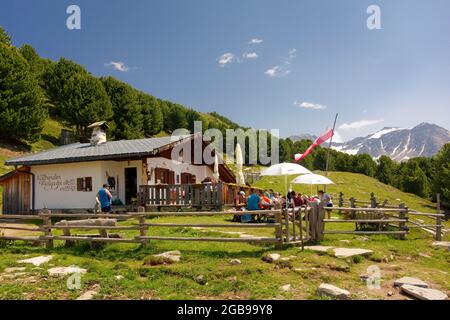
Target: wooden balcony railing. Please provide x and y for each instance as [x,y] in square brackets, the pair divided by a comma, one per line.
[194,195]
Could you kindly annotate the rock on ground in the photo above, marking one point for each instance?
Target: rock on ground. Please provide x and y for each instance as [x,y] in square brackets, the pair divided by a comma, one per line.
[445,244]
[172,256]
[88,295]
[410,281]
[350,252]
[201,279]
[318,248]
[37,261]
[332,291]
[286,288]
[235,261]
[271,257]
[423,293]
[62,271]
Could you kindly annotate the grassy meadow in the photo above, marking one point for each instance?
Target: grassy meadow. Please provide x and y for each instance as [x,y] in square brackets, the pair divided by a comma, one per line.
[252,279]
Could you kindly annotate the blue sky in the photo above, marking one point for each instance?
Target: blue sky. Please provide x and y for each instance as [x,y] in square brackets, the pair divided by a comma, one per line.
[309,59]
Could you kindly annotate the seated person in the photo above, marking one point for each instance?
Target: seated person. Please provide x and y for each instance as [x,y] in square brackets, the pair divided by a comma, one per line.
[305,199]
[277,201]
[240,202]
[298,200]
[291,197]
[253,201]
[265,203]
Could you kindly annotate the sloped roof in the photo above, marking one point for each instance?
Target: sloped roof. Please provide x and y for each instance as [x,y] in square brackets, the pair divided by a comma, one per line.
[110,150]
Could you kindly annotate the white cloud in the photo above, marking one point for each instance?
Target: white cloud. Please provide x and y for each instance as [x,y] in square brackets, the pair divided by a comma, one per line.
[272,72]
[277,71]
[359,124]
[255,41]
[118,65]
[226,58]
[309,105]
[283,70]
[250,55]
[292,54]
[337,137]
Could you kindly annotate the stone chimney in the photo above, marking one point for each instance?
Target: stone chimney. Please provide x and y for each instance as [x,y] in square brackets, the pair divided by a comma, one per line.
[98,132]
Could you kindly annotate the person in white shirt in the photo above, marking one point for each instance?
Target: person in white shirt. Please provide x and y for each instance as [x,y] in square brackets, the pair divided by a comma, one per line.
[325,198]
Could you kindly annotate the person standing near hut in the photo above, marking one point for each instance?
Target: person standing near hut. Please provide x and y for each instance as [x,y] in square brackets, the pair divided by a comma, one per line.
[104,198]
[325,198]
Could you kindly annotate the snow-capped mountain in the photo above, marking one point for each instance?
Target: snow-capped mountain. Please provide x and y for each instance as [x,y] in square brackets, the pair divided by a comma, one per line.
[305,136]
[424,140]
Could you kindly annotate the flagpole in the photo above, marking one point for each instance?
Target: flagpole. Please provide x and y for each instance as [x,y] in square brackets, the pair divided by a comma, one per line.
[329,148]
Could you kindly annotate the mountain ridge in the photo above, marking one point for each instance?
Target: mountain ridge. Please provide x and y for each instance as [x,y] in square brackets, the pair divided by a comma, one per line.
[400,144]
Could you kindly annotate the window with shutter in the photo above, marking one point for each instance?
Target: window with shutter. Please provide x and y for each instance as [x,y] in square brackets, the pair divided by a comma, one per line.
[80,184]
[84,184]
[88,184]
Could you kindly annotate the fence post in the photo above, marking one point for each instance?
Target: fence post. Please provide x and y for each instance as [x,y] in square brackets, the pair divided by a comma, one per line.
[142,227]
[220,197]
[438,236]
[373,200]
[341,201]
[47,221]
[286,225]
[301,227]
[320,222]
[312,221]
[278,228]
[352,202]
[402,215]
[294,233]
[317,215]
[307,215]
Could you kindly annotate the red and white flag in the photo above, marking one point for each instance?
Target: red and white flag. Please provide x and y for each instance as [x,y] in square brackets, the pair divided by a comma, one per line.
[316,143]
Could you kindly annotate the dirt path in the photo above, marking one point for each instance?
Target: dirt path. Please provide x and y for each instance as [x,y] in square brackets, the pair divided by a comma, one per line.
[11,233]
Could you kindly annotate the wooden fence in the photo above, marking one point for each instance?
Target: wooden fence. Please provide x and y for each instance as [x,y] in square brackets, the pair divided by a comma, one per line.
[291,226]
[413,222]
[141,224]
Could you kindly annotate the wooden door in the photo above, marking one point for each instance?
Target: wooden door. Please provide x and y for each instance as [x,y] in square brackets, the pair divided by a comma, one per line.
[17,194]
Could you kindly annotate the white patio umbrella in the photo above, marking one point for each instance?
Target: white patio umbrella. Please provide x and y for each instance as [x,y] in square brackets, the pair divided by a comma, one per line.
[285,169]
[216,168]
[240,179]
[311,179]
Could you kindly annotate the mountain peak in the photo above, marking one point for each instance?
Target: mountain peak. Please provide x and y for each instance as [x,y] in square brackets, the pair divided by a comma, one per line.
[426,124]
[424,140]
